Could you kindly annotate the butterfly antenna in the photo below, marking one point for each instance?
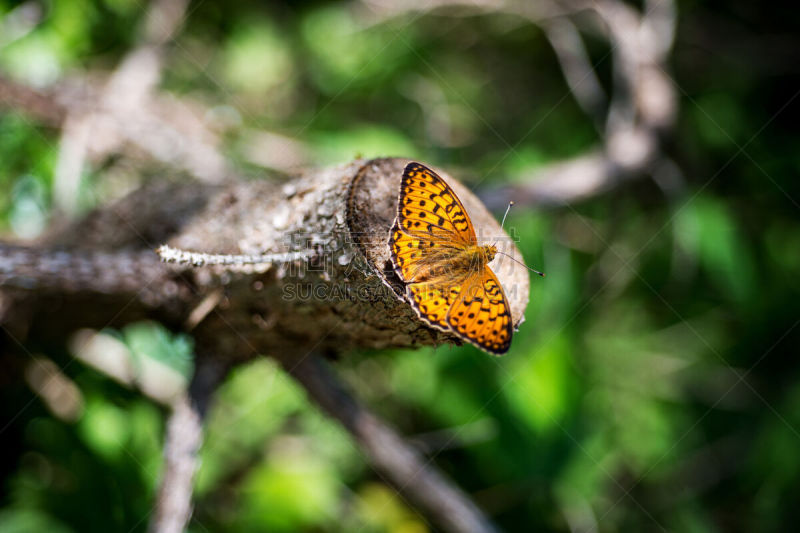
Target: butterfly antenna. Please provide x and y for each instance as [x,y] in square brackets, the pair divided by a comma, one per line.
[504,219]
[521,263]
[511,203]
[504,216]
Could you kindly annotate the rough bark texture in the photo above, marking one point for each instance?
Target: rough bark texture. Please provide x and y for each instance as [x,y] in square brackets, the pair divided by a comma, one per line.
[184,436]
[344,296]
[183,440]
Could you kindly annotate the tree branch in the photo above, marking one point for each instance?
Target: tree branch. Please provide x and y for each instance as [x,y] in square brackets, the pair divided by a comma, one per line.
[330,285]
[184,436]
[643,107]
[576,66]
[397,462]
[643,100]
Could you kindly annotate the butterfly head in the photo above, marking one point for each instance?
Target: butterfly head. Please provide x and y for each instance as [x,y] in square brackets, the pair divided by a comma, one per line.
[489,251]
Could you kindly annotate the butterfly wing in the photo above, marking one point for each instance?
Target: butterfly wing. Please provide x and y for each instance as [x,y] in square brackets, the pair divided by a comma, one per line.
[431,224]
[430,219]
[433,301]
[480,314]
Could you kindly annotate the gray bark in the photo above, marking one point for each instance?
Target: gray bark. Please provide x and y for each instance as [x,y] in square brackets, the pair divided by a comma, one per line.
[345,296]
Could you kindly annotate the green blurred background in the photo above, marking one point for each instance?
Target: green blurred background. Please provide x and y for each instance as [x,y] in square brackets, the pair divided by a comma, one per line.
[654,384]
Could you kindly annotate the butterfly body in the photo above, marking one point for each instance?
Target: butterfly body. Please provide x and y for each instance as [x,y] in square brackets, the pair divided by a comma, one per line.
[435,252]
[438,266]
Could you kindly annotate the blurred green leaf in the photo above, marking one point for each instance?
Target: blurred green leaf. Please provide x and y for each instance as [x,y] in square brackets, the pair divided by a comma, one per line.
[719,119]
[26,521]
[706,229]
[382,509]
[257,58]
[293,489]
[365,141]
[105,428]
[29,210]
[540,384]
[149,339]
[344,53]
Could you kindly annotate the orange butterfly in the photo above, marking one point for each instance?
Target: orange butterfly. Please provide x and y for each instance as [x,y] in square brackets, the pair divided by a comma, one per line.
[436,253]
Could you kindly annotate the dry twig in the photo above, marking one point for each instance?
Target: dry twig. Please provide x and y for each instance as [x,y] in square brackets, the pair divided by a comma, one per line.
[643,103]
[184,437]
[400,464]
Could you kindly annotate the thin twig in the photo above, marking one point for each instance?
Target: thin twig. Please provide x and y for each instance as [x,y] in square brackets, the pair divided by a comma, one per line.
[184,436]
[173,508]
[169,254]
[643,100]
[401,465]
[576,66]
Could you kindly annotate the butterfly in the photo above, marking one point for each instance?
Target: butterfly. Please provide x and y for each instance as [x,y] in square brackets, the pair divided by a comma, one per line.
[446,272]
